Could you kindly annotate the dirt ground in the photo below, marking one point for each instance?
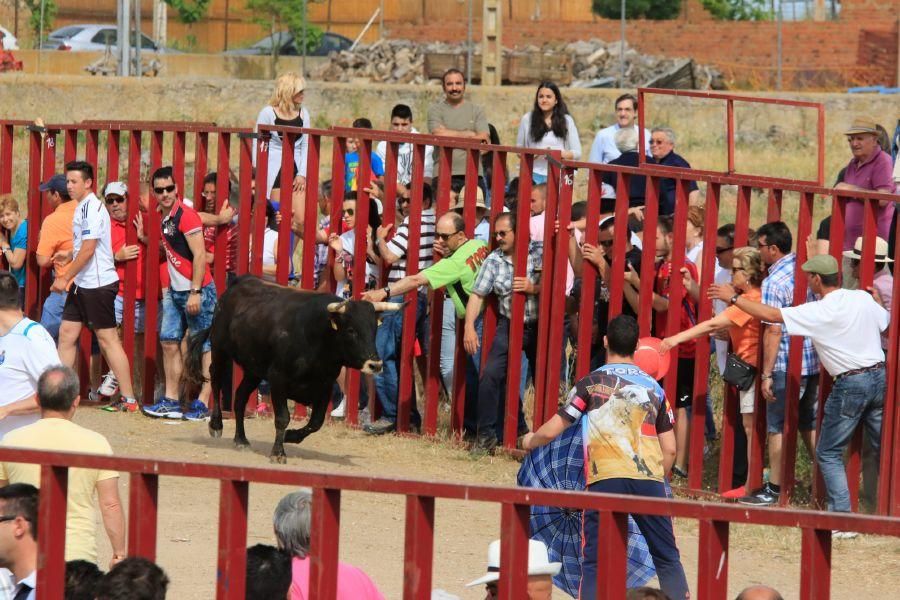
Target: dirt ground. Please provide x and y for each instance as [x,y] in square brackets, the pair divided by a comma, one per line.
[372,524]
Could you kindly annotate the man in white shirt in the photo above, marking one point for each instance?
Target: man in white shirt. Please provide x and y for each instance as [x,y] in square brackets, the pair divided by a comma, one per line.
[18,538]
[92,298]
[604,147]
[845,328]
[26,349]
[402,122]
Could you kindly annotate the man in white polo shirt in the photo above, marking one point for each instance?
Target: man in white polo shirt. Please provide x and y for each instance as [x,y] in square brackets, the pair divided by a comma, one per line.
[845,328]
[92,298]
[26,349]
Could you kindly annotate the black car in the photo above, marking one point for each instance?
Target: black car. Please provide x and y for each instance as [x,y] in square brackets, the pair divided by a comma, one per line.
[331,42]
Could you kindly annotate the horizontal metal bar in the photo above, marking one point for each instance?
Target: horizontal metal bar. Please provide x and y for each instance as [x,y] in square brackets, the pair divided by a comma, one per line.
[723,96]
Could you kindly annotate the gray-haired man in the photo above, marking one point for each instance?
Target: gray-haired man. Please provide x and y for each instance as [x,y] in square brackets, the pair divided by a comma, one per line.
[662,149]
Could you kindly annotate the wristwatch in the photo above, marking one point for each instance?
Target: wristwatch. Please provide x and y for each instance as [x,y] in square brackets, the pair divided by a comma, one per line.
[734,298]
[387,291]
[765,376]
[196,291]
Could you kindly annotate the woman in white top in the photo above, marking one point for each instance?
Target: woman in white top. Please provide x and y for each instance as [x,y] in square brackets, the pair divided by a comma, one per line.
[344,247]
[549,126]
[270,245]
[285,110]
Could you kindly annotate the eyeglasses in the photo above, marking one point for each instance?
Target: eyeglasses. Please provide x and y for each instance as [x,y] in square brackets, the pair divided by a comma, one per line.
[348,211]
[723,250]
[5,518]
[501,233]
[606,243]
[164,189]
[114,199]
[445,236]
[657,142]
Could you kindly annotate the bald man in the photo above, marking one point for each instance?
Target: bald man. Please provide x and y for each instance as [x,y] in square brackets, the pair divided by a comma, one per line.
[759,592]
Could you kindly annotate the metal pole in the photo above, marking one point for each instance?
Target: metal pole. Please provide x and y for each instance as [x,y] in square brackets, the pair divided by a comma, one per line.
[778,80]
[303,63]
[622,49]
[469,49]
[381,22]
[40,37]
[138,67]
[123,22]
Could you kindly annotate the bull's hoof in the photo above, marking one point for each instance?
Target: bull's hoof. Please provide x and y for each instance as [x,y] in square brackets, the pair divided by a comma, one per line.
[241,444]
[215,433]
[278,459]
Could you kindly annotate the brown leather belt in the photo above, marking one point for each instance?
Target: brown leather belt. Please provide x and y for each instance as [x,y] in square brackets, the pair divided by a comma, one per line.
[874,367]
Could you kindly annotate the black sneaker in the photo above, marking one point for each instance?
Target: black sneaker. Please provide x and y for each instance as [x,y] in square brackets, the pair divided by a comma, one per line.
[485,444]
[380,427]
[764,496]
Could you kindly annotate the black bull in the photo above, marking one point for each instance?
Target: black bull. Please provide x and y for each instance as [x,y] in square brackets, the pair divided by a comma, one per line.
[296,340]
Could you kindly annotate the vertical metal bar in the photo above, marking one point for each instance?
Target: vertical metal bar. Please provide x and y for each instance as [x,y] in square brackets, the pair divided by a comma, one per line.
[889,476]
[70,145]
[311,212]
[285,250]
[616,283]
[773,209]
[131,266]
[245,205]
[231,572]
[35,216]
[729,125]
[143,494]
[820,130]
[6,157]
[712,563]
[612,546]
[151,266]
[648,252]
[92,150]
[223,185]
[418,546]
[557,334]
[326,533]
[589,276]
[260,201]
[113,145]
[51,558]
[201,160]
[179,149]
[514,519]
[815,564]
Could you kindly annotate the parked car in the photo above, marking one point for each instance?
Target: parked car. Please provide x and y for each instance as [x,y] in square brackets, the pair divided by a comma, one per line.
[94,38]
[331,42]
[9,40]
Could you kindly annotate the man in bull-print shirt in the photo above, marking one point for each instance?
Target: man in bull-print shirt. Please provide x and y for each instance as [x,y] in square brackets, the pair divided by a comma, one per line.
[189,301]
[629,447]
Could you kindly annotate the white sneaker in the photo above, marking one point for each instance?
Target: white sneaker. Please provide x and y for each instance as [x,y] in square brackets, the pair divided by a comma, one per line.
[837,534]
[340,410]
[109,386]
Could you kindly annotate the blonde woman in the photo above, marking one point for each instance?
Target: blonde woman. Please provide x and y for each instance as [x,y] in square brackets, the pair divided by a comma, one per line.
[13,240]
[285,109]
[747,273]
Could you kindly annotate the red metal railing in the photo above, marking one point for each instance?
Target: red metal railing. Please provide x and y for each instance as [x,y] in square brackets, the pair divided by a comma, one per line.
[233,148]
[714,520]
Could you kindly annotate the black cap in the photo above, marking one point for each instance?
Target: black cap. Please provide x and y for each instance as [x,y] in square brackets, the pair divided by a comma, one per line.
[57,183]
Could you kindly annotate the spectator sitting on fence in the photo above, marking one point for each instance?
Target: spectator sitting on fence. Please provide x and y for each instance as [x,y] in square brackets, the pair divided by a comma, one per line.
[620,402]
[626,140]
[540,571]
[402,122]
[285,109]
[116,196]
[82,579]
[456,273]
[870,169]
[135,578]
[18,540]
[662,149]
[845,327]
[214,220]
[58,398]
[189,301]
[13,240]
[496,277]
[747,275]
[604,148]
[268,573]
[352,163]
[759,592]
[54,245]
[548,126]
[775,243]
[27,349]
[388,337]
[292,521]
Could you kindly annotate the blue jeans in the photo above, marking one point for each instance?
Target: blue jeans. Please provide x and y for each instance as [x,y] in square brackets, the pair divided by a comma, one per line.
[853,399]
[176,320]
[809,395]
[51,315]
[656,530]
[387,344]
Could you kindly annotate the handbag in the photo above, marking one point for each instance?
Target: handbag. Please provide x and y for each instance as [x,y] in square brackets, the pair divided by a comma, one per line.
[739,373]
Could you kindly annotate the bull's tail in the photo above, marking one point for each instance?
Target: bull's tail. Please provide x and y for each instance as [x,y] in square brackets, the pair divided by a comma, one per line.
[193,361]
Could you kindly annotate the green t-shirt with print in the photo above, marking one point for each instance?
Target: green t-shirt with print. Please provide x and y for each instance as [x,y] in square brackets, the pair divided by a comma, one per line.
[457,273]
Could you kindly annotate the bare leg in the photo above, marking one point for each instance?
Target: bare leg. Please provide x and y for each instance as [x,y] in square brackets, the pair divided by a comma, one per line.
[173,367]
[747,421]
[118,361]
[69,332]
[682,437]
[775,458]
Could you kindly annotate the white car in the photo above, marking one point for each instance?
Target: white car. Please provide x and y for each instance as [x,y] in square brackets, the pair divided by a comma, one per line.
[93,37]
[9,40]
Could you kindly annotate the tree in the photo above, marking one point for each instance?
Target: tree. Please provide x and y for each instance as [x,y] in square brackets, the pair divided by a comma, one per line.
[637,9]
[280,15]
[34,21]
[739,10]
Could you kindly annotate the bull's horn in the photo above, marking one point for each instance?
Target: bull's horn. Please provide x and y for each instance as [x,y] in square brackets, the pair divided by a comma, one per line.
[387,306]
[338,307]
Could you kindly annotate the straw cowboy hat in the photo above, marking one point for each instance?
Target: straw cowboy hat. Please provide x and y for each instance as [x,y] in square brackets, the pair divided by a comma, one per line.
[479,199]
[862,125]
[881,251]
[538,562]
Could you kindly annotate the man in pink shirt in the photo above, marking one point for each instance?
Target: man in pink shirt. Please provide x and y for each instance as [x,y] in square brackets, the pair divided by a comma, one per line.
[870,169]
[292,523]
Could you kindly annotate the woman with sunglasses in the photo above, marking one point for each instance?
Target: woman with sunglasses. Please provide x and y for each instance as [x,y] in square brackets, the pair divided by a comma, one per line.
[344,247]
[13,240]
[549,126]
[747,272]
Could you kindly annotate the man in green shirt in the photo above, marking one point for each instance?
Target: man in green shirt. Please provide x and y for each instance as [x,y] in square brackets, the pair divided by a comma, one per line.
[455,272]
[453,116]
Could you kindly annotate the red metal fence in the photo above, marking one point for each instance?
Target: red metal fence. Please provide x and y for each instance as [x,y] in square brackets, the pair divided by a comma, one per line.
[233,150]
[714,520]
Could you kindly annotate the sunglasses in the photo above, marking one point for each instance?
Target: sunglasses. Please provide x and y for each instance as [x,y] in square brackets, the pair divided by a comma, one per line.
[736,269]
[724,250]
[348,211]
[114,199]
[164,189]
[5,518]
[445,236]
[500,233]
[403,200]
[657,142]
[606,243]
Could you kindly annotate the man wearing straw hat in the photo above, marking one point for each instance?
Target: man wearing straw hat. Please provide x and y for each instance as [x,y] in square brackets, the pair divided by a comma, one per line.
[868,170]
[540,571]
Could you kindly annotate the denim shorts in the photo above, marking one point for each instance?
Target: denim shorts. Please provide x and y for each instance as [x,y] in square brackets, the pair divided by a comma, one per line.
[139,313]
[809,395]
[176,320]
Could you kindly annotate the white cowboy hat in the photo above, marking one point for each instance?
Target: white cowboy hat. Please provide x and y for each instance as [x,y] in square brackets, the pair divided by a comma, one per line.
[538,562]
[881,251]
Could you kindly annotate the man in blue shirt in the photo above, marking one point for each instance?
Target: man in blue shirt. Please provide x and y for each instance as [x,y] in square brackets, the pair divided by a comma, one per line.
[662,149]
[604,150]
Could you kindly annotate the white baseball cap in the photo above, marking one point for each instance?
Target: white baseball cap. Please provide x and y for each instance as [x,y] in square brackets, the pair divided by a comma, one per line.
[117,188]
[538,562]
